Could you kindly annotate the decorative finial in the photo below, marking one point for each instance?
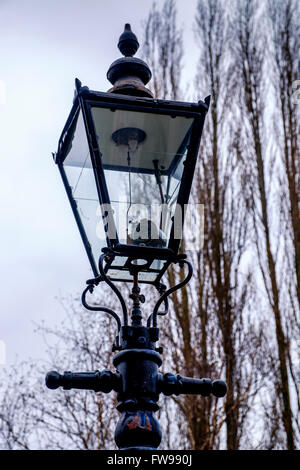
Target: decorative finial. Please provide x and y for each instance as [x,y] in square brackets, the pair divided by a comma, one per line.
[128,43]
[129,75]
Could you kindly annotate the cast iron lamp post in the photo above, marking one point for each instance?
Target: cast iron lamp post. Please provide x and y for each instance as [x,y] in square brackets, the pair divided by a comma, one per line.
[127,162]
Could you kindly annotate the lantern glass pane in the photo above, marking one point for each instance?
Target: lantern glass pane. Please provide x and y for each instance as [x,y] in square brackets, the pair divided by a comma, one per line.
[143,159]
[80,175]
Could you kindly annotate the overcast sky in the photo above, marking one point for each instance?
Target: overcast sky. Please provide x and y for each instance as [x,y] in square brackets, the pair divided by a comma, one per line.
[43,47]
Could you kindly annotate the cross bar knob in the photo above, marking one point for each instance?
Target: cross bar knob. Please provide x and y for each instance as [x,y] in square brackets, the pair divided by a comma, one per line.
[170,384]
[104,381]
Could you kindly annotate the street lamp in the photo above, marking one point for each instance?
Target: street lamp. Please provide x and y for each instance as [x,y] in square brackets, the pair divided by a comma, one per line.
[127,162]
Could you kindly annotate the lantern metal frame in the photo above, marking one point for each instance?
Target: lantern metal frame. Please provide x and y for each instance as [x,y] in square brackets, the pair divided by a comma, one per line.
[84,100]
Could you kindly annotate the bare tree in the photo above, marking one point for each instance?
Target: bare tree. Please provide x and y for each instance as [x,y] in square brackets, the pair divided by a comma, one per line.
[16,423]
[163,50]
[220,182]
[210,326]
[250,62]
[33,417]
[285,30]
[285,45]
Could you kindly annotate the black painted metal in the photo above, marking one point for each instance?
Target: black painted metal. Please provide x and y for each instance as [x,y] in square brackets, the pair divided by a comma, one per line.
[138,385]
[104,381]
[128,75]
[100,308]
[165,294]
[128,43]
[114,288]
[138,363]
[137,379]
[170,384]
